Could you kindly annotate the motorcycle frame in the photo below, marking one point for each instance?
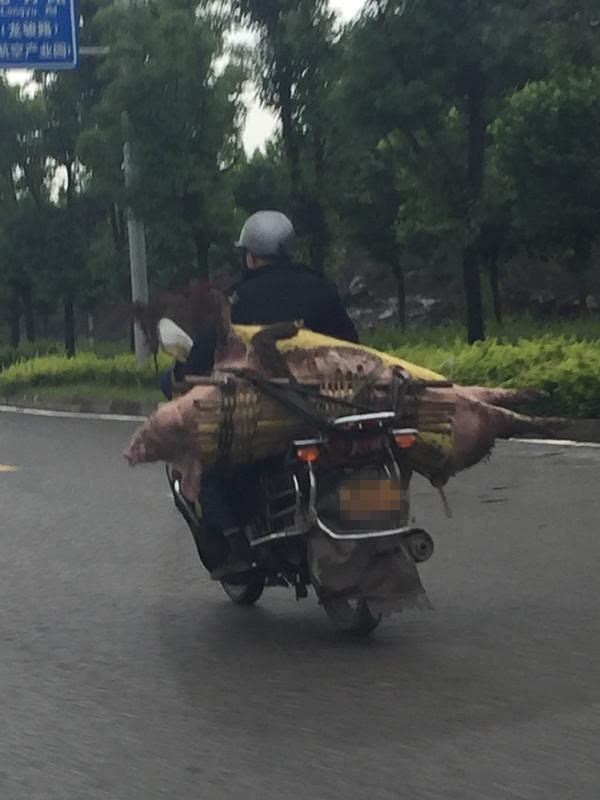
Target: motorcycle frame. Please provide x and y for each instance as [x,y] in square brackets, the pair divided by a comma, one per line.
[305,521]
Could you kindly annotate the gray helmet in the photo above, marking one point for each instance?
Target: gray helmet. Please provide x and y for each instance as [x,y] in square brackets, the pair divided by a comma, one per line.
[268,233]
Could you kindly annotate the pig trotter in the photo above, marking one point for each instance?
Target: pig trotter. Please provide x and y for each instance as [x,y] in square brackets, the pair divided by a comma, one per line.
[504,398]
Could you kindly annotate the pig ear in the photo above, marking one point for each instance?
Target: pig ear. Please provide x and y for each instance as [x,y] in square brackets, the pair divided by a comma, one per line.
[147,314]
[224,321]
[212,307]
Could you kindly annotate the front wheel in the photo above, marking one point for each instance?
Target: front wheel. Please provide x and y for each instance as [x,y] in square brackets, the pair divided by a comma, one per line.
[245,594]
[351,616]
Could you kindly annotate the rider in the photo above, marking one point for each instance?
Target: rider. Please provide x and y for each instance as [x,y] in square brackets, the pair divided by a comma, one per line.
[272,289]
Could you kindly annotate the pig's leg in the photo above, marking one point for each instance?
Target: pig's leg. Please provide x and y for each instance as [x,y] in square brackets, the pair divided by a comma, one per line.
[477,425]
[505,398]
[264,347]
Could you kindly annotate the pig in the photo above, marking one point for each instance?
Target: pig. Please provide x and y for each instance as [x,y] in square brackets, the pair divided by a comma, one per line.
[481,414]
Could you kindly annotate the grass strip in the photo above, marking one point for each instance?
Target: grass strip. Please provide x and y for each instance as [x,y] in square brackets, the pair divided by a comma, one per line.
[88,369]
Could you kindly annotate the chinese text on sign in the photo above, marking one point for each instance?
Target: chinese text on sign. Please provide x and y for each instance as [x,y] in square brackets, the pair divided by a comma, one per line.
[38,34]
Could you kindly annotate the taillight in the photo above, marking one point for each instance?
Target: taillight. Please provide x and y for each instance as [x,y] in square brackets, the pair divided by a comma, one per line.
[405,439]
[308,454]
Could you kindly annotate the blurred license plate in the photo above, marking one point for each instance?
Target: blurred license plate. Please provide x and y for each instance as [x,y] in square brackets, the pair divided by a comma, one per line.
[364,499]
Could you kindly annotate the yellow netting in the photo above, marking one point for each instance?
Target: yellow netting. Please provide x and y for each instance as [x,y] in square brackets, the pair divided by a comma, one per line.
[306,340]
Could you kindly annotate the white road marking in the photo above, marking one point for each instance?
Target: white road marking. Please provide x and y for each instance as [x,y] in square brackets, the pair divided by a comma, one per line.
[9,468]
[557,442]
[41,412]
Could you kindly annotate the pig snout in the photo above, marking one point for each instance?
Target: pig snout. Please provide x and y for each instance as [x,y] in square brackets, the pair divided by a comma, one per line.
[136,451]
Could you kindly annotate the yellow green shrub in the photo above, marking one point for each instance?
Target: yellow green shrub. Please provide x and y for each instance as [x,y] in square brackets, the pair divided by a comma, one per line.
[567,369]
[88,368]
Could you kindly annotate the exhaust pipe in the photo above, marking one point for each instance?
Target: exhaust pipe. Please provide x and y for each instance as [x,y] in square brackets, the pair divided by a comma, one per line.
[420,545]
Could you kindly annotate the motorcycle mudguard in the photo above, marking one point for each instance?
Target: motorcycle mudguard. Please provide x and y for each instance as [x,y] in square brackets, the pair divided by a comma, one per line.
[379,571]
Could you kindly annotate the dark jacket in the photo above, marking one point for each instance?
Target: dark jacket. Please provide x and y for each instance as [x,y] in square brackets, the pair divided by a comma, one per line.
[277,293]
[287,292]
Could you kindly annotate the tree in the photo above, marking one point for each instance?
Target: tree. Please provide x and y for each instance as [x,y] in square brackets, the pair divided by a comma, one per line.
[9,153]
[369,196]
[184,114]
[68,99]
[263,181]
[294,66]
[23,192]
[434,75]
[547,142]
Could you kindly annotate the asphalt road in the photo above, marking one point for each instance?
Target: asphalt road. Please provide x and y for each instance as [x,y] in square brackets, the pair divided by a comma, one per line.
[125,673]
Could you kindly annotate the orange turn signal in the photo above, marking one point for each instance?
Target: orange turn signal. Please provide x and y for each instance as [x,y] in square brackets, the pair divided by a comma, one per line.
[405,440]
[308,454]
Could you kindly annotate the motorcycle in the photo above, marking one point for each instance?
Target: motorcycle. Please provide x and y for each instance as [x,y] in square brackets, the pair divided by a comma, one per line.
[332,514]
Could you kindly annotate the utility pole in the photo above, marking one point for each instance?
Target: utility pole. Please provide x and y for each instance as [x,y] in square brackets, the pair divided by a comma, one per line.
[137,234]
[137,249]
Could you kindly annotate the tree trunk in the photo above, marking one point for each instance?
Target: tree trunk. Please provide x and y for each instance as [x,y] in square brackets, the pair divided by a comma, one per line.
[118,229]
[202,247]
[28,310]
[69,309]
[14,317]
[319,233]
[495,287]
[317,219]
[118,226]
[302,210]
[475,173]
[401,293]
[472,287]
[582,291]
[579,268]
[290,141]
[90,321]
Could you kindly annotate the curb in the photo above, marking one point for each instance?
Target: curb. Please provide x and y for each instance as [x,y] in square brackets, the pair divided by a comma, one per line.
[580,430]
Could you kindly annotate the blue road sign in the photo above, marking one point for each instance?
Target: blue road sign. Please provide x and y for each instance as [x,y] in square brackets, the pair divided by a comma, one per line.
[38,34]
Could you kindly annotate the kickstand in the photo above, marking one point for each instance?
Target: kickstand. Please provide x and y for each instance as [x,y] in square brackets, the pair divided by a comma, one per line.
[445,503]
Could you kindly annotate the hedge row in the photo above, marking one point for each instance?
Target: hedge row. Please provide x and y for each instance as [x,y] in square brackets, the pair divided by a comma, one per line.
[51,347]
[87,368]
[566,368]
[513,330]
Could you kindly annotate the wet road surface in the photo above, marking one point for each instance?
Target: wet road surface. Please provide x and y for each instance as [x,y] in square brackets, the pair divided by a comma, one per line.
[125,673]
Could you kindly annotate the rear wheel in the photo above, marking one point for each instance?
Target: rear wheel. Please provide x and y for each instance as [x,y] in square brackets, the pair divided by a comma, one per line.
[351,616]
[244,594]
